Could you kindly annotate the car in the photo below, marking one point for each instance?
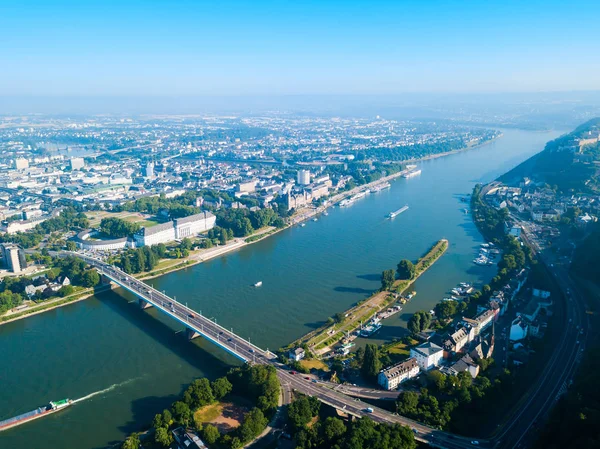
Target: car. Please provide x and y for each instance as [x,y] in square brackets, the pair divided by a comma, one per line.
[251,350]
[230,339]
[415,431]
[369,410]
[314,381]
[190,315]
[292,372]
[475,443]
[307,378]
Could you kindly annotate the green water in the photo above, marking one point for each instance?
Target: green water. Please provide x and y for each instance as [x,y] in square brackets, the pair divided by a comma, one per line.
[137,362]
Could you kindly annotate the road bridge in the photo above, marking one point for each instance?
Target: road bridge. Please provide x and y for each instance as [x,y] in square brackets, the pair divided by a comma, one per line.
[199,325]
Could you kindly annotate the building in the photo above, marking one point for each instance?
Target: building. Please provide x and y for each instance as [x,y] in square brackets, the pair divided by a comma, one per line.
[14,257]
[83,242]
[247,186]
[194,224]
[455,342]
[482,321]
[186,439]
[303,177]
[176,229]
[466,363]
[77,163]
[296,354]
[13,227]
[149,170]
[428,355]
[390,378]
[31,214]
[21,163]
[518,329]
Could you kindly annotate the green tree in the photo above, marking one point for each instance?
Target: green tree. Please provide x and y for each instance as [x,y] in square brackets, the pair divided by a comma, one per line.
[371,364]
[254,423]
[210,434]
[132,442]
[406,269]
[445,309]
[419,321]
[387,279]
[221,387]
[333,429]
[182,413]
[90,278]
[71,245]
[163,437]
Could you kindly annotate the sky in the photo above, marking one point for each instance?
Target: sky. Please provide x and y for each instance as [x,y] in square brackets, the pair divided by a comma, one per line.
[258,47]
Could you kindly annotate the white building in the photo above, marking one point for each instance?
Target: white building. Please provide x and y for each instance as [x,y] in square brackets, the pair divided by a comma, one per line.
[21,163]
[176,229]
[390,378]
[303,177]
[428,355]
[77,163]
[14,257]
[518,329]
[83,242]
[296,354]
[194,224]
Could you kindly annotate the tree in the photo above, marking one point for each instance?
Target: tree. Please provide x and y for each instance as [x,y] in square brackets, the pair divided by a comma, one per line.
[90,278]
[71,246]
[299,412]
[333,429]
[221,387]
[387,279]
[445,309]
[210,434]
[419,321]
[371,364]
[132,442]
[199,393]
[163,437]
[182,413]
[406,269]
[254,423]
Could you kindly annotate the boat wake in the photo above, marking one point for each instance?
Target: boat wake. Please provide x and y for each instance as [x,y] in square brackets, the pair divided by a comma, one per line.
[106,390]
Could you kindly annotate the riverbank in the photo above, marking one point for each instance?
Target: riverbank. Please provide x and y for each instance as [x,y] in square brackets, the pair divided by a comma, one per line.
[322,339]
[238,243]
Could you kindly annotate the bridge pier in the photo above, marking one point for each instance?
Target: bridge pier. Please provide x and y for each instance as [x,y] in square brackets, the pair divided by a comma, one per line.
[104,279]
[143,304]
[191,333]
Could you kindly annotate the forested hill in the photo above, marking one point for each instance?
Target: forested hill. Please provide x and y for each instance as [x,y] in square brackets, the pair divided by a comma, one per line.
[569,163]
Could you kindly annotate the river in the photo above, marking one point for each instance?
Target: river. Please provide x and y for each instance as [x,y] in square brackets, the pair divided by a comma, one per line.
[125,364]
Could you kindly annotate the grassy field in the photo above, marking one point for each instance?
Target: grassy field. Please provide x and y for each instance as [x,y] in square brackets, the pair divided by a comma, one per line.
[96,217]
[314,364]
[226,416]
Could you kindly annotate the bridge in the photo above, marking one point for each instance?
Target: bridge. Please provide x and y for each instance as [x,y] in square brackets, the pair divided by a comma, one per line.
[198,325]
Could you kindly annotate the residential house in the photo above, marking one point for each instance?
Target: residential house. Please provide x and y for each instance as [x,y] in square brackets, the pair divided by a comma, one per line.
[428,355]
[390,378]
[296,354]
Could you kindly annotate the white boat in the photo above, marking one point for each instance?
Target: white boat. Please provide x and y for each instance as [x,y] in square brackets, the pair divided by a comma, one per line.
[314,219]
[411,174]
[302,225]
[397,212]
[258,284]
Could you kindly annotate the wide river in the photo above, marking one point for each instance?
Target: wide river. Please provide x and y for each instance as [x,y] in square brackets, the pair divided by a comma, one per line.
[123,365]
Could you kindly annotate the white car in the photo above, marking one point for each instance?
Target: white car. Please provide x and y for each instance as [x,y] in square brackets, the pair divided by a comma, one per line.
[475,443]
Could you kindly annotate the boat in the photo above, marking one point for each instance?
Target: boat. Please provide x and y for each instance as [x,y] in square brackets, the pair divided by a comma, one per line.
[370,329]
[314,219]
[326,213]
[302,225]
[258,284]
[380,187]
[52,407]
[346,202]
[398,212]
[411,174]
[389,312]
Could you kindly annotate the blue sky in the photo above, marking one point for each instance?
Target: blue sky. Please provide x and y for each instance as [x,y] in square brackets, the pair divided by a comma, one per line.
[296,47]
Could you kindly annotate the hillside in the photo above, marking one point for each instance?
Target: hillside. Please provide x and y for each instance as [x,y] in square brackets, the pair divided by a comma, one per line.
[569,163]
